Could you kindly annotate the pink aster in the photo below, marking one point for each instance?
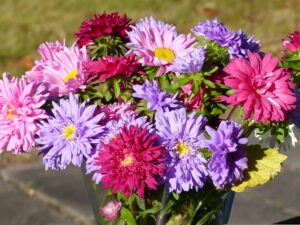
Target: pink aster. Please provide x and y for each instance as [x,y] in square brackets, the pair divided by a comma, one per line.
[60,68]
[20,109]
[158,44]
[103,25]
[111,66]
[293,43]
[132,161]
[264,89]
[111,210]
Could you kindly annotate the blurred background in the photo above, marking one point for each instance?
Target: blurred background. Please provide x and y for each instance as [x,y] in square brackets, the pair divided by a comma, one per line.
[31,196]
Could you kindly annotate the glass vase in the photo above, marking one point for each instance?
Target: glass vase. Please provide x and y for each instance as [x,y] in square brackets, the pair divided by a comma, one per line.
[211,207]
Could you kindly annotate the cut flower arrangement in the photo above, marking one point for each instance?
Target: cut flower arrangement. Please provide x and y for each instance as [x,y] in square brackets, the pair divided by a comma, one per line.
[159,120]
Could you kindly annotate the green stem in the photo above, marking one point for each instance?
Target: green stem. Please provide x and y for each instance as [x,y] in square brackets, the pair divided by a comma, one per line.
[231,112]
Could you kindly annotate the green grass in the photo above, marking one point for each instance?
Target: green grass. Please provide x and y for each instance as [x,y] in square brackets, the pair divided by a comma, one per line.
[25,24]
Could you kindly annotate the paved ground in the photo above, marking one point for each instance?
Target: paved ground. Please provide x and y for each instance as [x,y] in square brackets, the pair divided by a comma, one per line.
[31,196]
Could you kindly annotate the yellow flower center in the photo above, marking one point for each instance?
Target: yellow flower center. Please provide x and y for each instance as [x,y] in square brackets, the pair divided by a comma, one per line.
[182,149]
[165,54]
[127,161]
[71,75]
[69,132]
[9,112]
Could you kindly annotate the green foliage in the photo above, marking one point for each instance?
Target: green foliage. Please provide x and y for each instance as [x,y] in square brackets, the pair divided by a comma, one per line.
[292,60]
[214,52]
[127,216]
[196,207]
[278,129]
[107,45]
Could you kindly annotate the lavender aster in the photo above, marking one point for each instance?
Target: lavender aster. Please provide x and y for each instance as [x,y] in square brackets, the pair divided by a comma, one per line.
[157,99]
[237,43]
[70,134]
[190,63]
[215,31]
[182,135]
[228,155]
[246,43]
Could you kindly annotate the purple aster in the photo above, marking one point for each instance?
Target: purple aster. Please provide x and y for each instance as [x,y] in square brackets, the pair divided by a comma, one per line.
[157,99]
[215,31]
[113,129]
[246,43]
[228,155]
[295,114]
[237,43]
[182,135]
[70,134]
[190,63]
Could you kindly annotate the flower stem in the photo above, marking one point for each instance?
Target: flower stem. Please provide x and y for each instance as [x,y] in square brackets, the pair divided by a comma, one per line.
[231,112]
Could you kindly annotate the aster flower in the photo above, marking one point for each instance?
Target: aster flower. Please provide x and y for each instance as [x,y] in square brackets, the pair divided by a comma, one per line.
[131,161]
[237,43]
[158,44]
[248,43]
[229,158]
[113,128]
[111,210]
[103,25]
[190,63]
[70,134]
[111,66]
[293,43]
[182,135]
[20,109]
[264,89]
[60,68]
[157,99]
[215,31]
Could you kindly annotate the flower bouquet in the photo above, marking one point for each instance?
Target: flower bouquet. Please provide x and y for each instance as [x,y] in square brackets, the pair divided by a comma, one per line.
[159,120]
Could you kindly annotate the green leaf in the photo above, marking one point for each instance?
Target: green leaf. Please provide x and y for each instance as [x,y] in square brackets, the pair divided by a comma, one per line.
[156,208]
[127,216]
[117,88]
[108,96]
[263,165]
[183,80]
[140,202]
[209,84]
[207,217]
[175,196]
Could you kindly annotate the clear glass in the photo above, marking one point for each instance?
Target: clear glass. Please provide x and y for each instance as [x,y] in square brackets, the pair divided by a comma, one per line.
[223,204]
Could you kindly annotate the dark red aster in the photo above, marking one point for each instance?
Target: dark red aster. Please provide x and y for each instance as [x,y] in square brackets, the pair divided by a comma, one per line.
[294,43]
[103,25]
[110,66]
[132,161]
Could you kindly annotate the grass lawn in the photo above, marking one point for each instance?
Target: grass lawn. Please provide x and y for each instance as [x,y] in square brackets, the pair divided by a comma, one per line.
[25,24]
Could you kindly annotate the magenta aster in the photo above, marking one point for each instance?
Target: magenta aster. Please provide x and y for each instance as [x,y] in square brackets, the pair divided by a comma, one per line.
[103,25]
[264,89]
[132,161]
[20,109]
[111,66]
[158,44]
[293,43]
